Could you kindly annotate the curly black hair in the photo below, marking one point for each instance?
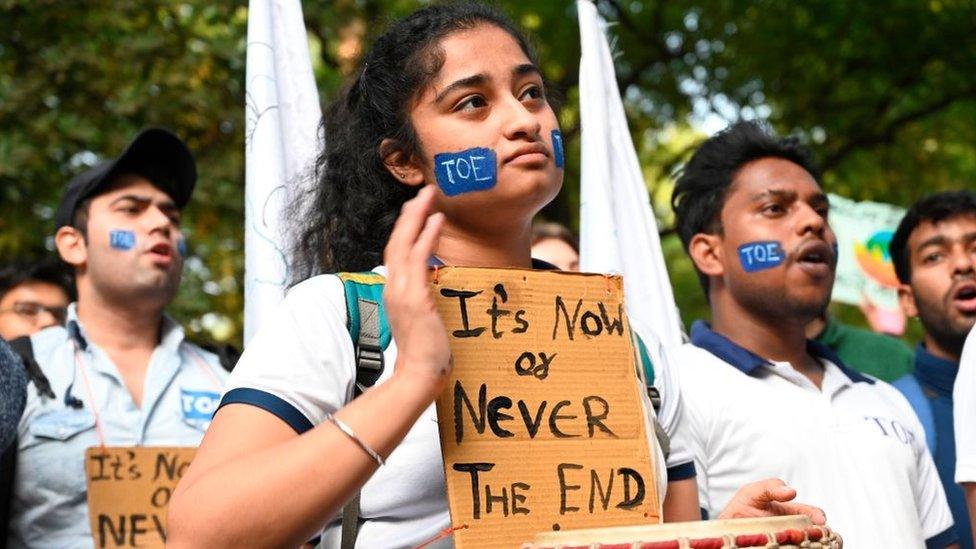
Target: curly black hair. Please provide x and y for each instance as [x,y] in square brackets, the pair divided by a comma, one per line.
[933,208]
[703,183]
[345,220]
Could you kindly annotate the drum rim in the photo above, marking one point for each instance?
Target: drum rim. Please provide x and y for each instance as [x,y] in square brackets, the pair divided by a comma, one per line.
[672,531]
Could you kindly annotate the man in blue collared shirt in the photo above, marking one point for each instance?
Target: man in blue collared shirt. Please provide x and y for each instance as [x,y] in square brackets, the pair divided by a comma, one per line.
[760,399]
[934,253]
[120,371]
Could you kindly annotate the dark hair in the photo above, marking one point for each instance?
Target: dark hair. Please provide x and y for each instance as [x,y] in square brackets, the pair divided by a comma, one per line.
[703,183]
[343,223]
[933,208]
[51,271]
[546,230]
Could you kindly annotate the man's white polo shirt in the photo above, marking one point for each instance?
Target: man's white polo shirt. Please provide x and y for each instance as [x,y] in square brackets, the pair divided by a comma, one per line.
[964,412]
[854,448]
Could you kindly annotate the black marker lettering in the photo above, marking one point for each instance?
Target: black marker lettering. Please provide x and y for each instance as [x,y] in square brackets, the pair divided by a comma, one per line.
[596,487]
[523,325]
[472,469]
[542,371]
[159,527]
[462,296]
[563,487]
[100,458]
[521,368]
[554,417]
[137,530]
[495,415]
[628,502]
[160,498]
[531,426]
[494,312]
[590,318]
[613,324]
[570,324]
[477,416]
[490,499]
[519,498]
[596,420]
[105,523]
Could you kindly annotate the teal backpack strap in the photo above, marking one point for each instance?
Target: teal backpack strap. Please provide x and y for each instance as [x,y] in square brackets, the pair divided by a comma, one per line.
[367,325]
[647,376]
[370,335]
[647,370]
[645,360]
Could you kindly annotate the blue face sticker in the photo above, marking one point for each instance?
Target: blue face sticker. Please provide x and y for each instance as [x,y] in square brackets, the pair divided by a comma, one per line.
[557,148]
[181,247]
[758,256]
[199,406]
[122,240]
[466,171]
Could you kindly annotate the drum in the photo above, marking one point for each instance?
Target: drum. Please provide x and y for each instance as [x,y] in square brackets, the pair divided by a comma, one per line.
[771,532]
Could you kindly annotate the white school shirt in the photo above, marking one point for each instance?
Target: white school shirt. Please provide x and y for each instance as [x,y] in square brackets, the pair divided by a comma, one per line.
[964,412]
[854,448]
[301,365]
[182,388]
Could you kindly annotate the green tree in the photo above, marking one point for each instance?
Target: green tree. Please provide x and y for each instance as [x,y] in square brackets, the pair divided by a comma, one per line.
[883,92]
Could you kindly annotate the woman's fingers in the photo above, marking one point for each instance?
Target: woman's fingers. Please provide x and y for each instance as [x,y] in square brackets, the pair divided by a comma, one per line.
[427,241]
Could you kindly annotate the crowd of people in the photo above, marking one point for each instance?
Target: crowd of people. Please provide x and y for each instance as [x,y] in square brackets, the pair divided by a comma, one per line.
[771,400]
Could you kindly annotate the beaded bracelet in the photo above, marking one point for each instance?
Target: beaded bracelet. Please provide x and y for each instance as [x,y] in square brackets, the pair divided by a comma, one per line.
[348,431]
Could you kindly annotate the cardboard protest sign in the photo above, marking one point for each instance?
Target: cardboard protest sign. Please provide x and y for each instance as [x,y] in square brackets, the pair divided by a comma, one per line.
[542,426]
[129,490]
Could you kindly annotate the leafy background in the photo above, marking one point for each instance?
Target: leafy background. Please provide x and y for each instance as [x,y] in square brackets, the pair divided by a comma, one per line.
[885,94]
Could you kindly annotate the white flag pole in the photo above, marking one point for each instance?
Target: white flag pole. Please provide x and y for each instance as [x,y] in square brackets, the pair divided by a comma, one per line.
[282,114]
[618,232]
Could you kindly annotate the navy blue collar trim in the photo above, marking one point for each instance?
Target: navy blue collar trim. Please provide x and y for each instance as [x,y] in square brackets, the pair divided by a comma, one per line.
[748,362]
[536,264]
[938,374]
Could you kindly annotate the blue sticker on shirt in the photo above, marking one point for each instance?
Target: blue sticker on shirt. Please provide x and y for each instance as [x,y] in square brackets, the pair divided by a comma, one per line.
[557,147]
[758,256]
[181,247]
[199,406]
[122,240]
[466,171]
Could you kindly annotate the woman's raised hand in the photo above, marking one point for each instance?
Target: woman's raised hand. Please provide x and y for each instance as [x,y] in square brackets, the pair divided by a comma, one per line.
[423,350]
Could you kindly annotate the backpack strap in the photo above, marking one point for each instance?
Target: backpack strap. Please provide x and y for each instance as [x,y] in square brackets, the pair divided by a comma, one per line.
[915,394]
[367,325]
[350,523]
[23,347]
[646,374]
[370,335]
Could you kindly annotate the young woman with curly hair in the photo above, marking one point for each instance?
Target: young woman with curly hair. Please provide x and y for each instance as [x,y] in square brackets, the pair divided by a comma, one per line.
[448,78]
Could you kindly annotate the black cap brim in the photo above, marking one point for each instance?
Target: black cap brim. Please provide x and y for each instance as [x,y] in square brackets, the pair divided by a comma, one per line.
[156,154]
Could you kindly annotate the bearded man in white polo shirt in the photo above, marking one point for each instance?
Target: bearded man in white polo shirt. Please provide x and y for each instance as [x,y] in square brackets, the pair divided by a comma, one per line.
[762,400]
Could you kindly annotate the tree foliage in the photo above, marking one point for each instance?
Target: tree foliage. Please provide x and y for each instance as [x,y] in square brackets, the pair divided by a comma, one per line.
[885,93]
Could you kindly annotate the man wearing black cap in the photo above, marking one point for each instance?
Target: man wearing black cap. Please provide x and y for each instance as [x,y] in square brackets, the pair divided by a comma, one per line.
[120,371]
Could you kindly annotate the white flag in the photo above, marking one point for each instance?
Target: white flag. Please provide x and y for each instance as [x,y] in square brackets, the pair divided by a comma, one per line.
[282,114]
[618,232]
